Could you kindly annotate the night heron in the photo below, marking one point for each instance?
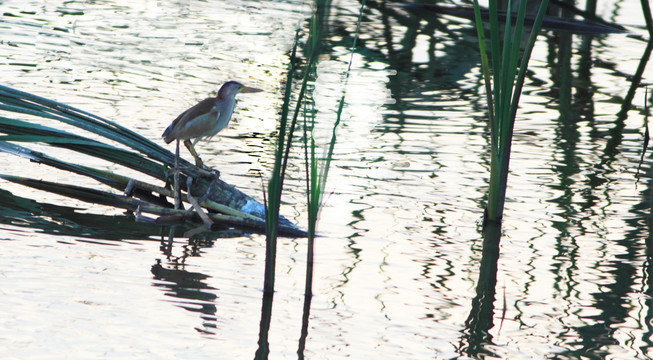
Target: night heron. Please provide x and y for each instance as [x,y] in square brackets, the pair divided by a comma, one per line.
[205,119]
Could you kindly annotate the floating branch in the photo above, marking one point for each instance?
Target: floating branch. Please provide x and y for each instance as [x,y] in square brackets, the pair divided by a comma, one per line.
[142,155]
[128,203]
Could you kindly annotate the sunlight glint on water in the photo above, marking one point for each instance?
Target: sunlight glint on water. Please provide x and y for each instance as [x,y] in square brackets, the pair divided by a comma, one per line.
[398,260]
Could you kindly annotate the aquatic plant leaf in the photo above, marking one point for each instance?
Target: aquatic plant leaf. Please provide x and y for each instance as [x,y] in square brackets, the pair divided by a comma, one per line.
[79,192]
[22,102]
[142,154]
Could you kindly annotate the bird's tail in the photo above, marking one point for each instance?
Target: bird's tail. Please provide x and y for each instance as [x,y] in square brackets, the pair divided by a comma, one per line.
[167,136]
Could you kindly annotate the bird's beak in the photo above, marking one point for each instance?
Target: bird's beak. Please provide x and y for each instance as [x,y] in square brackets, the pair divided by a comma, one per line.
[247,89]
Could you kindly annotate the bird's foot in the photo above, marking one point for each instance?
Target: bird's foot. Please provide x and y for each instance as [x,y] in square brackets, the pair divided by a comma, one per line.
[200,164]
[207,170]
[210,173]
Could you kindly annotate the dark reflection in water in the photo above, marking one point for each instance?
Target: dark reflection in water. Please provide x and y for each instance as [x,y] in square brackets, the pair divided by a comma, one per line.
[188,287]
[476,340]
[575,257]
[62,220]
[190,291]
[583,183]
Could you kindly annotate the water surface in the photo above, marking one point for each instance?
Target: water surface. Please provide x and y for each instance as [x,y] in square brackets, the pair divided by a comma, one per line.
[399,260]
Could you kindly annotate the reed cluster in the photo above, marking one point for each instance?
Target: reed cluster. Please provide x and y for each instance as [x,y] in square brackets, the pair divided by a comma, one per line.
[504,73]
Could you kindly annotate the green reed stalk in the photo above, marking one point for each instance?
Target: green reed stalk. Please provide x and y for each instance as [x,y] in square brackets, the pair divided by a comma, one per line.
[317,169]
[275,185]
[284,143]
[503,91]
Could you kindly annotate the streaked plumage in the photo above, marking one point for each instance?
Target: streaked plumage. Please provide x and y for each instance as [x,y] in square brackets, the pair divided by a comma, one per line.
[206,118]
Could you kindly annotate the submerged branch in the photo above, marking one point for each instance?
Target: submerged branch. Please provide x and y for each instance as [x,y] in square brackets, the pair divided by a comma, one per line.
[166,214]
[143,155]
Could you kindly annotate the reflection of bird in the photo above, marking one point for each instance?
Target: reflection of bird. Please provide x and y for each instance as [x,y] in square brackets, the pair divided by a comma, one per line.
[206,118]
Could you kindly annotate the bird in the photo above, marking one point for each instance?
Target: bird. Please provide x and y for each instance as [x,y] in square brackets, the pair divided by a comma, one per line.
[205,119]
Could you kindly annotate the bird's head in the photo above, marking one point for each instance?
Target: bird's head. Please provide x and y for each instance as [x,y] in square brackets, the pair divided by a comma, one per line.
[231,88]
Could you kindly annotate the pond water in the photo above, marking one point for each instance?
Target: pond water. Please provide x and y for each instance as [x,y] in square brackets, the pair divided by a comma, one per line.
[400,268]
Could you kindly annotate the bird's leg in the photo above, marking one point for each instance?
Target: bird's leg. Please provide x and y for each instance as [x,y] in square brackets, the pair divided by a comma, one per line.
[191,149]
[210,172]
[211,186]
[176,179]
[189,183]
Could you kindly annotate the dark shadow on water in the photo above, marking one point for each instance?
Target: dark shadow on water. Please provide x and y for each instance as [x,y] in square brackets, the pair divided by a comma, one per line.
[185,289]
[308,297]
[639,240]
[264,327]
[476,339]
[70,221]
[643,228]
[190,292]
[305,320]
[61,220]
[599,335]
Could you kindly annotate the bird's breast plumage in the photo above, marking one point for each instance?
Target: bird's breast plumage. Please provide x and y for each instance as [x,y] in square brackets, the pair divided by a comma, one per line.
[194,122]
[206,118]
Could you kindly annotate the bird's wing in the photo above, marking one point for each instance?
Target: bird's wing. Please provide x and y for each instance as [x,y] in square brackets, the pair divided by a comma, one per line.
[178,125]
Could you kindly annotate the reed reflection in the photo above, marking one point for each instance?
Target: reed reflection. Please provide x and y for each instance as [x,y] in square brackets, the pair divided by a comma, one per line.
[476,338]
